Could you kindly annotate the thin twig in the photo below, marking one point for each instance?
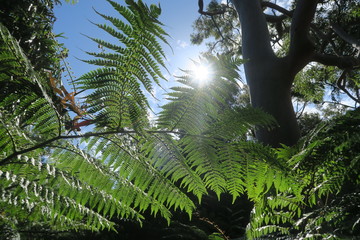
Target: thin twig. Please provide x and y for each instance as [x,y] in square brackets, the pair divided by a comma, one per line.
[339,103]
[341,83]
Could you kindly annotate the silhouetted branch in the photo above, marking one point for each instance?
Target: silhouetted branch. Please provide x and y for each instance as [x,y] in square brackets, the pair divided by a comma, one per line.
[202,12]
[341,83]
[342,62]
[345,36]
[277,8]
[301,47]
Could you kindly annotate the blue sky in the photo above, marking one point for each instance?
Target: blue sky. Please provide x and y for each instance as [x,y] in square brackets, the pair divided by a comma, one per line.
[177,15]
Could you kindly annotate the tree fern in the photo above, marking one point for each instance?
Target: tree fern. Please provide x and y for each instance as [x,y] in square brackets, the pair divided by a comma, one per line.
[87,186]
[83,186]
[123,166]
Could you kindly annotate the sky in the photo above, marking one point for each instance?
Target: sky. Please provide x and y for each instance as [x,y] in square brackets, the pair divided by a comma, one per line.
[74,21]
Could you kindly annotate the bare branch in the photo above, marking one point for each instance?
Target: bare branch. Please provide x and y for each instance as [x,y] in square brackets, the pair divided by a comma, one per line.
[302,18]
[341,83]
[346,37]
[274,18]
[339,103]
[255,32]
[220,33]
[202,12]
[277,8]
[301,47]
[299,112]
[342,62]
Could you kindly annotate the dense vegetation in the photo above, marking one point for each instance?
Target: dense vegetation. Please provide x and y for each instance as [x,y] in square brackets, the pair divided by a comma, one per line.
[100,166]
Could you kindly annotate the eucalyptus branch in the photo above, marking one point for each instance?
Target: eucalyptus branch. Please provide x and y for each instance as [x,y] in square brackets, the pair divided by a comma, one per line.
[342,62]
[339,103]
[220,33]
[346,37]
[341,83]
[277,8]
[300,111]
[301,47]
[255,33]
[202,12]
[274,18]
[231,22]
[326,39]
[214,45]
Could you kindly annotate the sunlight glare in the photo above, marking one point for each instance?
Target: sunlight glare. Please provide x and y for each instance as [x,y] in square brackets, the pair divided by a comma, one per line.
[202,73]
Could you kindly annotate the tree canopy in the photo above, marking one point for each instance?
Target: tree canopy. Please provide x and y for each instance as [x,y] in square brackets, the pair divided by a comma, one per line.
[99,162]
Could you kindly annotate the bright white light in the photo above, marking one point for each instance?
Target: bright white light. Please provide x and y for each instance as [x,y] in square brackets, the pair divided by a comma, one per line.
[202,73]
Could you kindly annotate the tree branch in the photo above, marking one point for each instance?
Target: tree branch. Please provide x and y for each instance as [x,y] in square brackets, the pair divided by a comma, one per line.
[341,83]
[301,47]
[202,12]
[219,31]
[327,39]
[277,8]
[255,33]
[342,62]
[274,18]
[345,36]
[302,18]
[338,103]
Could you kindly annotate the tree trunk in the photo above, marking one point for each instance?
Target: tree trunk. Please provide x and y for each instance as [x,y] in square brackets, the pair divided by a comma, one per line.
[270,78]
[270,90]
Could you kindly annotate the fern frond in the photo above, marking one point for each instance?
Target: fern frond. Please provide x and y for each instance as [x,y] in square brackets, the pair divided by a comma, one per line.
[201,154]
[193,107]
[33,194]
[316,199]
[164,155]
[25,68]
[118,99]
[135,168]
[26,108]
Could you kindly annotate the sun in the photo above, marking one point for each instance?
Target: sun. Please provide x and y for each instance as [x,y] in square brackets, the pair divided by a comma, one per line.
[202,73]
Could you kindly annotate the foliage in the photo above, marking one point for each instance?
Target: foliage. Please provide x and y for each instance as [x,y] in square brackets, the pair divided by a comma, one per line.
[224,28]
[123,167]
[46,175]
[325,168]
[30,22]
[304,200]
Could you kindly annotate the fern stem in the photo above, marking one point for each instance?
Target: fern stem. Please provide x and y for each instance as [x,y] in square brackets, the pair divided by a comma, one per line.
[86,135]
[11,137]
[17,153]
